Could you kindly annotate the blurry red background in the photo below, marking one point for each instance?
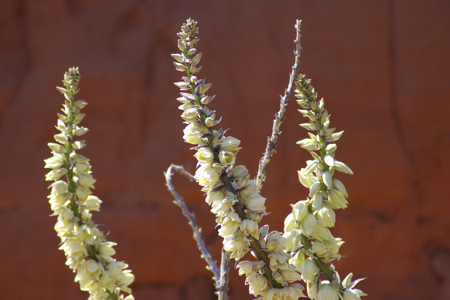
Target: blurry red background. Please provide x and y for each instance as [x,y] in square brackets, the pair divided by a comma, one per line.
[382,66]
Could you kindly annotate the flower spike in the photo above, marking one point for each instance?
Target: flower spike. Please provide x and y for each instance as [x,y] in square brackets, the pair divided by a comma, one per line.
[234,198]
[313,246]
[88,253]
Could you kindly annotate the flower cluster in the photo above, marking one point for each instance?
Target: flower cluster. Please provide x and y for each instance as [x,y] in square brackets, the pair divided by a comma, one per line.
[233,197]
[306,229]
[88,253]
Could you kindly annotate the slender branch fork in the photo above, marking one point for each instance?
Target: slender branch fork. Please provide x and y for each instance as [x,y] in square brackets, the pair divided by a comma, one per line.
[221,276]
[279,117]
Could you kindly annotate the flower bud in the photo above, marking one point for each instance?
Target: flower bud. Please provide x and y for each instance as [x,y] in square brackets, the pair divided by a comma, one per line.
[340,187]
[327,179]
[308,269]
[197,58]
[324,116]
[329,160]
[178,57]
[337,198]
[312,166]
[298,259]
[322,233]
[315,188]
[341,167]
[300,210]
[308,225]
[317,201]
[326,216]
[331,148]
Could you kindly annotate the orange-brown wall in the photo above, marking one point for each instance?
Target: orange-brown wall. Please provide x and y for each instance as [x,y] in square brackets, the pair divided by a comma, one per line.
[382,66]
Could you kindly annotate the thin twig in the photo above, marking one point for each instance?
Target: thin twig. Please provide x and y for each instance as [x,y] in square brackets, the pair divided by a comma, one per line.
[224,275]
[279,117]
[220,275]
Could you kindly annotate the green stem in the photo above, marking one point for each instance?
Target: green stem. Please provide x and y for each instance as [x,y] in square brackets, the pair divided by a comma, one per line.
[326,271]
[69,167]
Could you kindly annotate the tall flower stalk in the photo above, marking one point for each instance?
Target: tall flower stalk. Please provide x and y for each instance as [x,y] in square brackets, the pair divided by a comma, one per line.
[87,251]
[310,242]
[234,198]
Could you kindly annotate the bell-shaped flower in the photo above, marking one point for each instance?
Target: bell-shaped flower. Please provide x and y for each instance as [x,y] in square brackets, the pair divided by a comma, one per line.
[85,180]
[204,155]
[92,203]
[292,239]
[328,292]
[248,191]
[55,174]
[105,250]
[305,179]
[226,157]
[322,233]
[239,172]
[55,162]
[298,259]
[289,222]
[255,203]
[230,144]
[213,196]
[312,290]
[192,134]
[290,275]
[59,187]
[250,227]
[207,176]
[350,294]
[296,291]
[320,249]
[275,241]
[257,284]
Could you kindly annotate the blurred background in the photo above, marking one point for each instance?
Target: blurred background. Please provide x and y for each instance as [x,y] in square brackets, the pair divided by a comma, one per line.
[383,67]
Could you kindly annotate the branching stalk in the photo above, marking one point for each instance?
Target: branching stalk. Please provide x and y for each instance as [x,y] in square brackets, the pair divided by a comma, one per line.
[279,117]
[220,275]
